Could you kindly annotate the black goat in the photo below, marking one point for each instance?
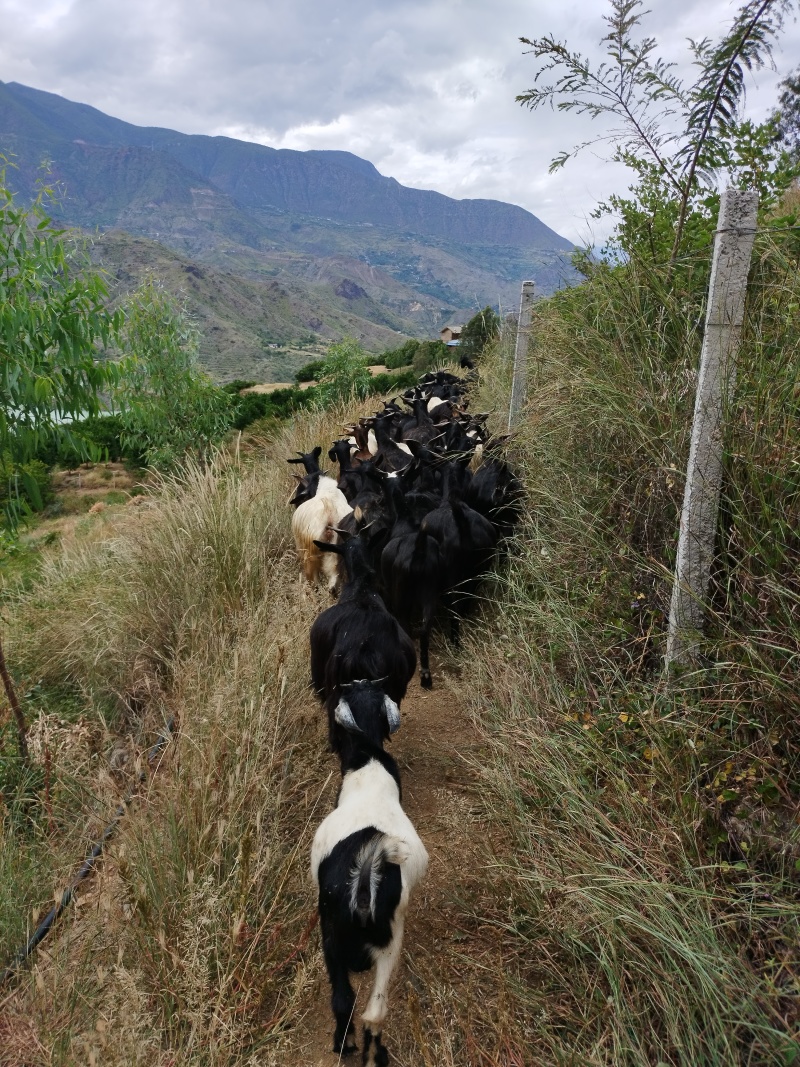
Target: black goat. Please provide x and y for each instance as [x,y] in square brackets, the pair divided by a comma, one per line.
[412,571]
[310,460]
[357,637]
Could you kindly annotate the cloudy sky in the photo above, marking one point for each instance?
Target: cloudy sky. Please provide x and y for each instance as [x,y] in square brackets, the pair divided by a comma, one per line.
[424,89]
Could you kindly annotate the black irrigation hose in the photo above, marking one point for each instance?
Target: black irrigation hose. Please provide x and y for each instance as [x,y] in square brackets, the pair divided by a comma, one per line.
[86,868]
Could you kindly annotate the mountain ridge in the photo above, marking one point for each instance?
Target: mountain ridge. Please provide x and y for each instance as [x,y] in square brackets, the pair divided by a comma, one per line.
[289,180]
[352,250]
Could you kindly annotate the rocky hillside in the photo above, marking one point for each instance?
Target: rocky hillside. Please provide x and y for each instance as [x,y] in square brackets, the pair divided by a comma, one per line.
[264,327]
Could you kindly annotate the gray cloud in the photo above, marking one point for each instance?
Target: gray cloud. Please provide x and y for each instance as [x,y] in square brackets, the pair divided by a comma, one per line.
[425,90]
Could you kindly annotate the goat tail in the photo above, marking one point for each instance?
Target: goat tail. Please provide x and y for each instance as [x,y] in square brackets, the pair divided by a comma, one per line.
[368,869]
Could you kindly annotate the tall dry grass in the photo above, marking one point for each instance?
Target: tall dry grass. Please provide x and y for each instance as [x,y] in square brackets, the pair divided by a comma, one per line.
[193,940]
[654,866]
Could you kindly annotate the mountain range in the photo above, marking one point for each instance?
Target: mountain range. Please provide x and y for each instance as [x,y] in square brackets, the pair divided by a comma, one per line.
[306,245]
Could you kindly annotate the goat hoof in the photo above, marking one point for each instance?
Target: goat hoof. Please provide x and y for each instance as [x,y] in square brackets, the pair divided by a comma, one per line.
[346,1049]
[344,1046]
[375,1052]
[425,680]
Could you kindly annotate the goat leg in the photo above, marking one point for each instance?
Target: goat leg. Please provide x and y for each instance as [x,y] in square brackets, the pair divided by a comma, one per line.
[375,1053]
[425,679]
[343,1002]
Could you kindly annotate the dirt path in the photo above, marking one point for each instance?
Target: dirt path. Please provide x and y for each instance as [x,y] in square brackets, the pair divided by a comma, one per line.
[431,746]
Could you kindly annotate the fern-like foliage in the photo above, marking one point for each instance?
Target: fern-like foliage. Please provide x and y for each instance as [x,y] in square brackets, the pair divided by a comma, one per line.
[787,119]
[634,89]
[687,132]
[717,95]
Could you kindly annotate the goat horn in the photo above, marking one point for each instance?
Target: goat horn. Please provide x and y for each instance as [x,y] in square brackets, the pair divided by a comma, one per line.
[344,716]
[392,713]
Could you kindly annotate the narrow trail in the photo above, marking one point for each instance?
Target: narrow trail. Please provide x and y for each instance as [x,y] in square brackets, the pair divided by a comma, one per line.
[433,746]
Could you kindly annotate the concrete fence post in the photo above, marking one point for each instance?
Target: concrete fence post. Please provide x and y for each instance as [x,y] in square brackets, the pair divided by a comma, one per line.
[519,382]
[733,246]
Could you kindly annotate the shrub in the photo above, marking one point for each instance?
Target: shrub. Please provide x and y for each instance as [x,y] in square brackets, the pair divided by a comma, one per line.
[428,354]
[344,372]
[167,406]
[237,385]
[310,372]
[400,357]
[54,324]
[478,333]
[279,404]
[24,484]
[387,383]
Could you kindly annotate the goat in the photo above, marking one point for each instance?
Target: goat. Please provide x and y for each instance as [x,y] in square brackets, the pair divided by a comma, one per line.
[391,455]
[466,540]
[366,859]
[412,570]
[497,494]
[314,520]
[357,637]
[310,460]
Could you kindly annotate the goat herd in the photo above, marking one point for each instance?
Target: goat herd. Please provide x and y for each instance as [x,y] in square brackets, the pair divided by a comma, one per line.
[407,529]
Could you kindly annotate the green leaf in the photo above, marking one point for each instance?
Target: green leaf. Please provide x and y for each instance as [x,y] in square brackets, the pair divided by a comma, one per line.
[32,489]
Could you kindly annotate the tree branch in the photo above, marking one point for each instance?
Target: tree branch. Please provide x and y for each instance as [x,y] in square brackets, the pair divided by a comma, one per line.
[710,115]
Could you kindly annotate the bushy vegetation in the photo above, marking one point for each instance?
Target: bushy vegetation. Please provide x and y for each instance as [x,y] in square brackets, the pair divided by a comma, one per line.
[421,355]
[480,331]
[309,372]
[168,408]
[61,345]
[54,326]
[344,372]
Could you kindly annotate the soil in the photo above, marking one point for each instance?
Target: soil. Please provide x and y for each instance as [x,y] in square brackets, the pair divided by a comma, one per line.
[95,478]
[434,745]
[270,387]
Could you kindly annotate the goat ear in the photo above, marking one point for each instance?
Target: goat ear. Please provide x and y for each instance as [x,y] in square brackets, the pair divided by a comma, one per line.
[392,714]
[317,452]
[294,460]
[344,716]
[329,546]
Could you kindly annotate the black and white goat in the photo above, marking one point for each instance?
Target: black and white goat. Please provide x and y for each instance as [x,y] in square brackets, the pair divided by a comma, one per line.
[365,860]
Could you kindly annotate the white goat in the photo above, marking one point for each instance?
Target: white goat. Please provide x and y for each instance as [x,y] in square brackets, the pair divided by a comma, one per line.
[312,521]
